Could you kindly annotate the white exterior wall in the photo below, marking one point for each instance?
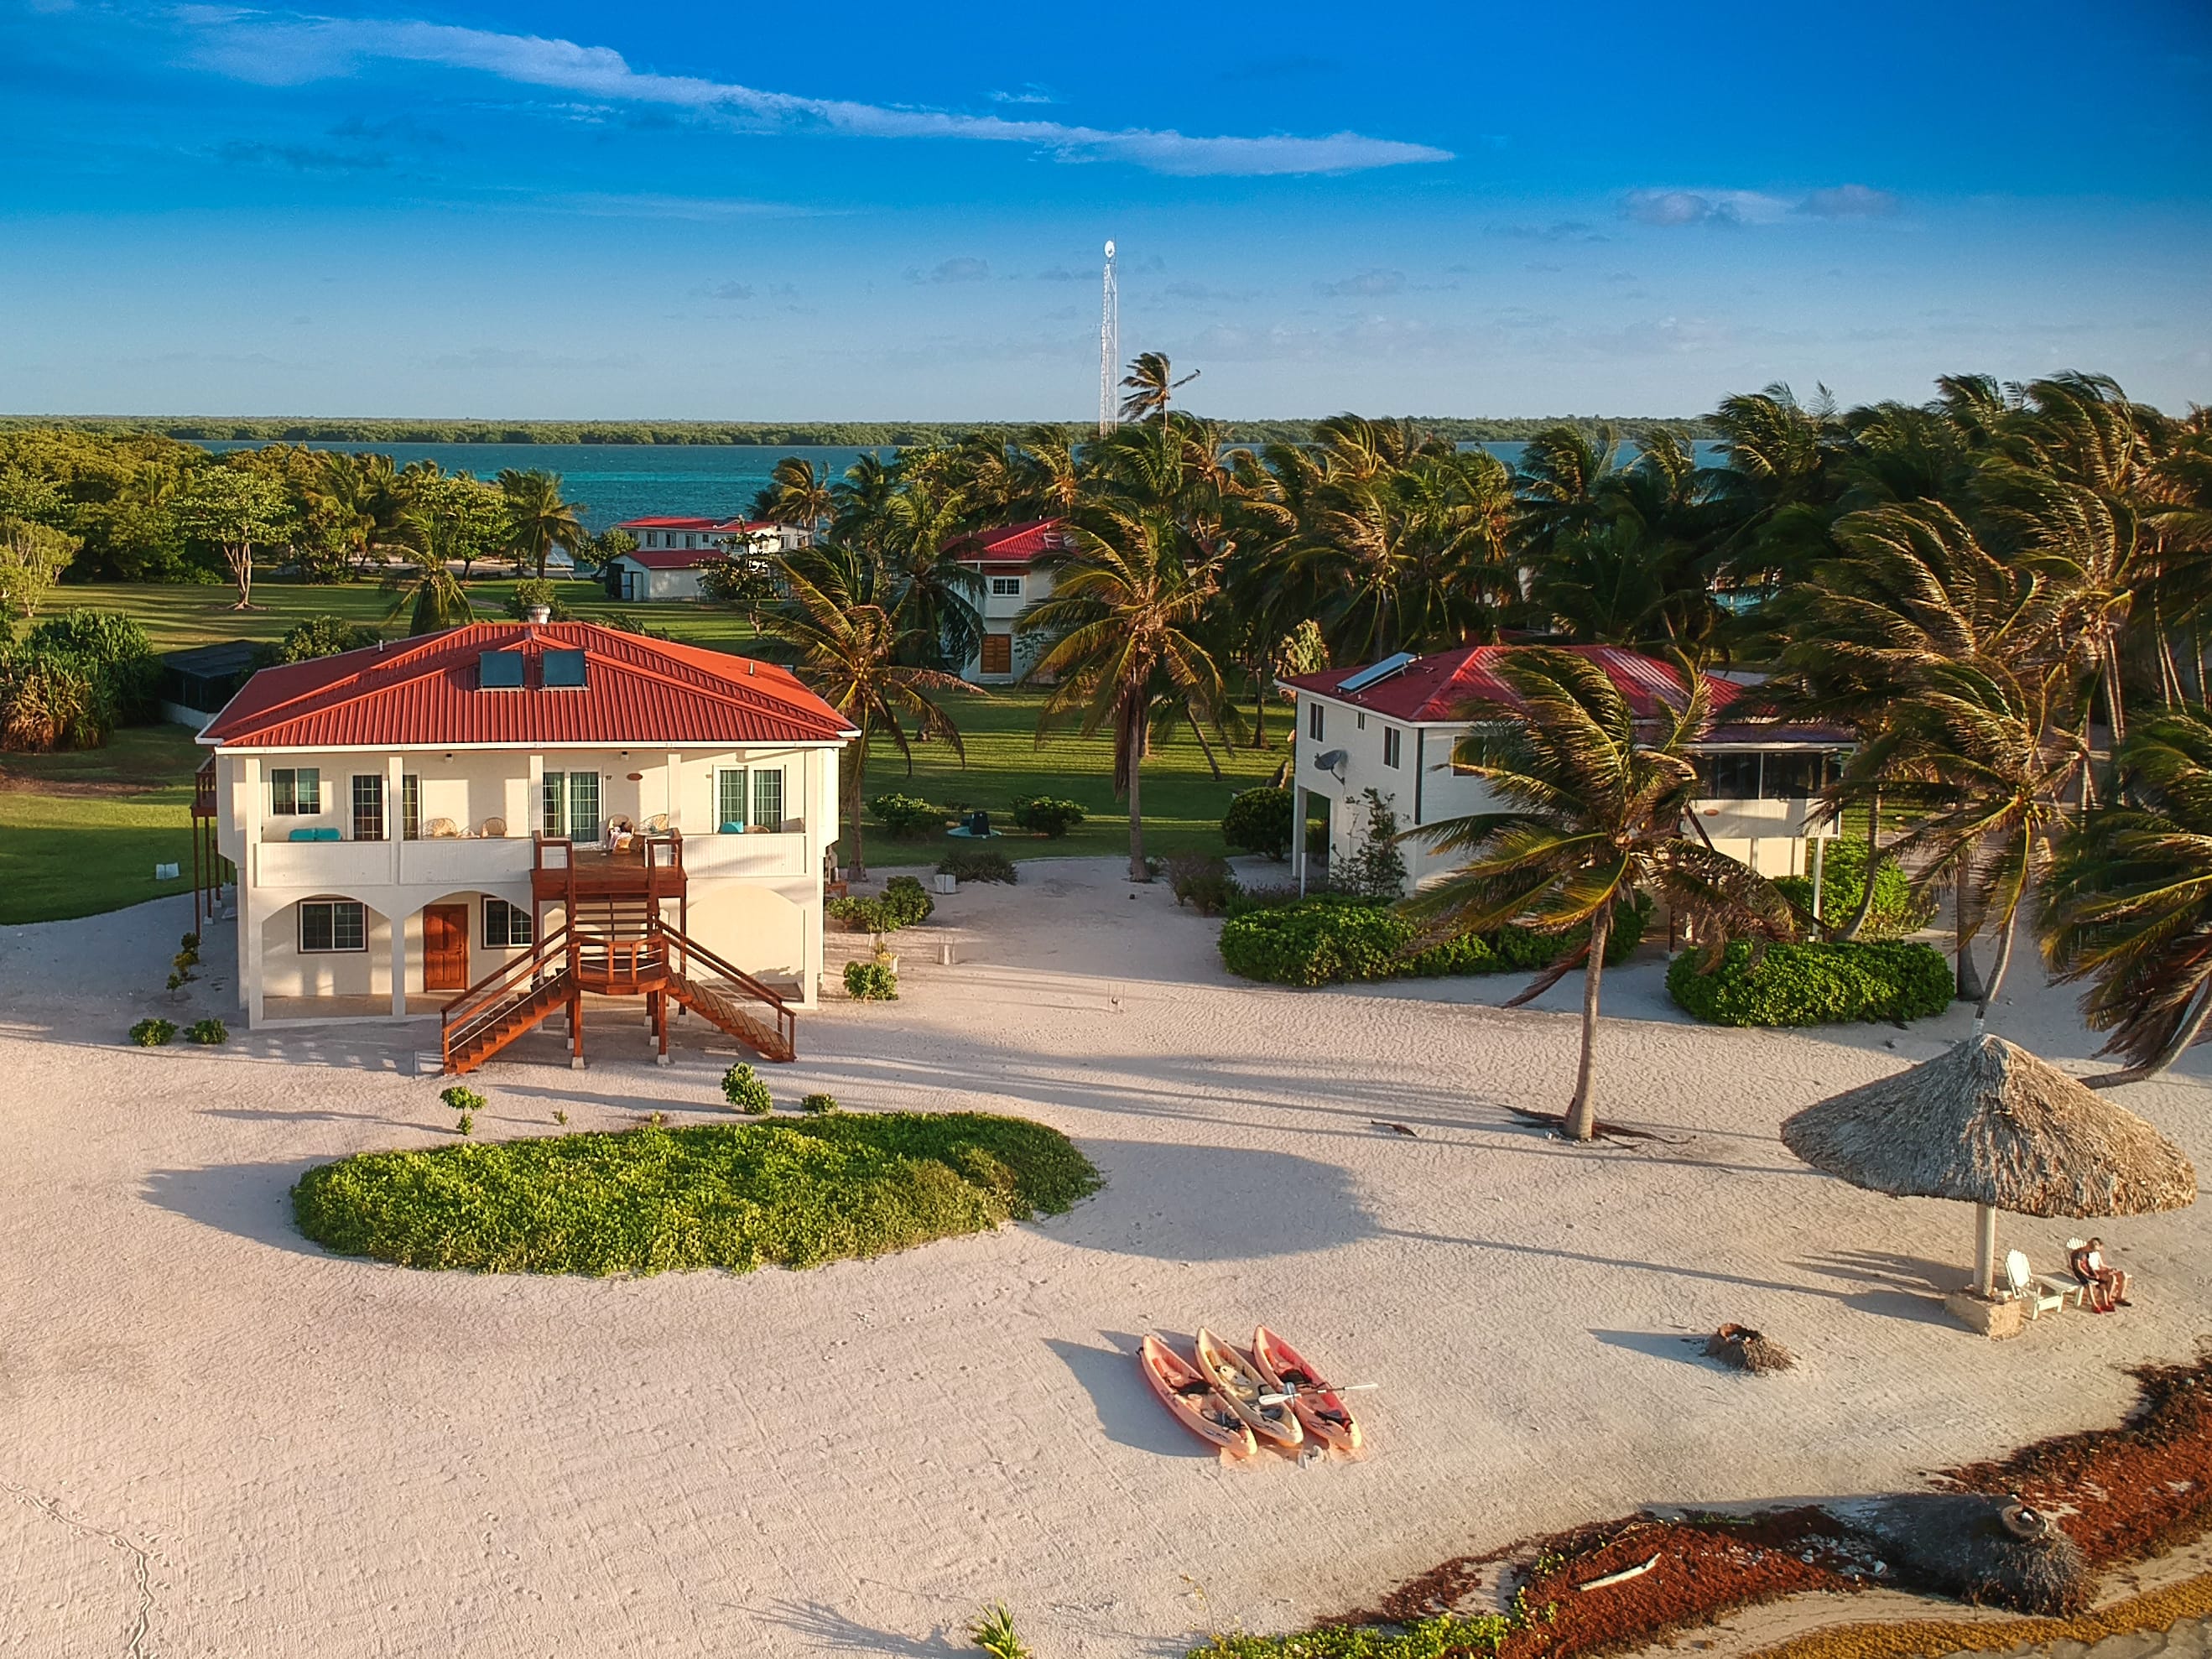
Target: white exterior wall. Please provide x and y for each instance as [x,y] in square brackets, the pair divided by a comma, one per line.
[755,899]
[1769,836]
[1001,613]
[642,584]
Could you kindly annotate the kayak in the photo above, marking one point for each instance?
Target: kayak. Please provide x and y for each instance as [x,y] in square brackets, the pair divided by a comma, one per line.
[1196,1403]
[1231,1371]
[1318,1406]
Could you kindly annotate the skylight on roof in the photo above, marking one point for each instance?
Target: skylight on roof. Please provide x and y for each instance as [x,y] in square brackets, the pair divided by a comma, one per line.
[564,669]
[499,671]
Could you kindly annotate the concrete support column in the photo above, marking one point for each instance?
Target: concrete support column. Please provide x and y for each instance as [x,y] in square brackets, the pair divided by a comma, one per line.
[399,965]
[533,808]
[675,802]
[247,802]
[394,771]
[1298,835]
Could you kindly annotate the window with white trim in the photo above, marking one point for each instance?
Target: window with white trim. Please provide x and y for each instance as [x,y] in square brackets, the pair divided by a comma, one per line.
[1005,587]
[1390,745]
[730,801]
[767,796]
[368,806]
[1313,721]
[332,925]
[410,807]
[572,806]
[506,927]
[295,792]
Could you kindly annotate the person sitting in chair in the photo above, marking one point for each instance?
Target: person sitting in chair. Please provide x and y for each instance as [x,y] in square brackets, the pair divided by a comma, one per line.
[2107,1285]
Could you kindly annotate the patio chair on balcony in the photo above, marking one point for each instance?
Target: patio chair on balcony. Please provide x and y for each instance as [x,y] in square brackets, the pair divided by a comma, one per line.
[493,830]
[441,829]
[657,824]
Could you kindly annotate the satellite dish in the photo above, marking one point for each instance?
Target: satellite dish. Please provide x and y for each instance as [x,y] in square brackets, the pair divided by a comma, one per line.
[1110,249]
[1332,762]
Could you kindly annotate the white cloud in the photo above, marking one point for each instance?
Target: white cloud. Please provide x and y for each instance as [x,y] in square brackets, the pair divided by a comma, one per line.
[1701,207]
[288,50]
[1849,201]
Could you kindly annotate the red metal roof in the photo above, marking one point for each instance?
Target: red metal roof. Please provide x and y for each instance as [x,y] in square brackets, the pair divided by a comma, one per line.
[421,693]
[1441,686]
[1013,543]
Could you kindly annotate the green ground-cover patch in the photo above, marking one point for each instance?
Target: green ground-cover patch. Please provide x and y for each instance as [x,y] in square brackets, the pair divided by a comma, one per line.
[792,1193]
[81,832]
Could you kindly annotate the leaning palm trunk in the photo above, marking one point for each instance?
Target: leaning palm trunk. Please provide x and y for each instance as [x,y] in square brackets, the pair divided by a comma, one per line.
[2176,1046]
[856,864]
[1873,869]
[1133,741]
[1581,1121]
[1968,978]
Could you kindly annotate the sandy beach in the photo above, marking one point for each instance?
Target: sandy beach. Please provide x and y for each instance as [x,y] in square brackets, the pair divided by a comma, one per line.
[297,1453]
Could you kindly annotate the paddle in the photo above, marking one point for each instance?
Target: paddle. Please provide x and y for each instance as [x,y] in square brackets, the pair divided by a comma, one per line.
[1349,1388]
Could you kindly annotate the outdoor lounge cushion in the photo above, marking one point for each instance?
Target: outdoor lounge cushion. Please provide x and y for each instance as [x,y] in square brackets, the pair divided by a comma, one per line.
[303,835]
[326,833]
[732,829]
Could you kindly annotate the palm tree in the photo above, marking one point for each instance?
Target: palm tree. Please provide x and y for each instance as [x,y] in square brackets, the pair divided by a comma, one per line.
[796,495]
[1591,811]
[1150,383]
[541,520]
[429,592]
[360,503]
[2128,903]
[1124,651]
[853,651]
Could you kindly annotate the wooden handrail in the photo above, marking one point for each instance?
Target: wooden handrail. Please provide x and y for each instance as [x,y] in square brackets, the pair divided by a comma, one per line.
[465,1015]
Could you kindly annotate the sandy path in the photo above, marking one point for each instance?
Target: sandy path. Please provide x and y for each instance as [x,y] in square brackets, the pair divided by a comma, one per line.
[318,1454]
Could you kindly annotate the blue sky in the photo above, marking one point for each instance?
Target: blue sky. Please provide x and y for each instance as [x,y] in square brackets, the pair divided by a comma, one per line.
[882,211]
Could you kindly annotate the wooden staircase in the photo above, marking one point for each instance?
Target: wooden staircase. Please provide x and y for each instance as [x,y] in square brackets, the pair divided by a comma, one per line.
[628,951]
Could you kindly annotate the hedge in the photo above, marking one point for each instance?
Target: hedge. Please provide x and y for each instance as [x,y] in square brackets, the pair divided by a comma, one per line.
[1843,878]
[1259,821]
[1819,984]
[1331,940]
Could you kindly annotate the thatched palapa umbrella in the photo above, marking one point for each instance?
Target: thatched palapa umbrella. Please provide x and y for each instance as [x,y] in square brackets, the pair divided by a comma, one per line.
[1990,1125]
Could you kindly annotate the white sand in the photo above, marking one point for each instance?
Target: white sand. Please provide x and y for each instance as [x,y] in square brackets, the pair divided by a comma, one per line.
[321,1455]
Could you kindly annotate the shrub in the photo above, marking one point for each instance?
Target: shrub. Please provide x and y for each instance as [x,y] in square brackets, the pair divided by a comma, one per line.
[208,1031]
[52,700]
[532,591]
[1843,880]
[1332,938]
[793,1191]
[870,982]
[903,904]
[153,1033]
[1047,816]
[465,1124]
[113,646]
[185,961]
[179,978]
[190,942]
[906,816]
[995,1633]
[321,636]
[1200,880]
[818,1105]
[1376,869]
[462,1098]
[908,901]
[978,863]
[743,1088]
[1259,821]
[1820,984]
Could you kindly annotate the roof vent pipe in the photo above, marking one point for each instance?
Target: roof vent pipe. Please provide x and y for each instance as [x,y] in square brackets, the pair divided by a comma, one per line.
[537,615]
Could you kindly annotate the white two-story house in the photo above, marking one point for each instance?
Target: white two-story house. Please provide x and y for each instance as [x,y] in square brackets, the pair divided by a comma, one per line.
[413,821]
[1392,727]
[1014,564]
[672,552]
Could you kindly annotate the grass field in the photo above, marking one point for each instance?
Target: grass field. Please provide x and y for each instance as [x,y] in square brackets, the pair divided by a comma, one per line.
[1182,802]
[180,615]
[82,833]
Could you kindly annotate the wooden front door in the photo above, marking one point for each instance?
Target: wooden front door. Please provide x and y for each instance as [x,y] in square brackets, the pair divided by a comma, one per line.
[998,654]
[444,947]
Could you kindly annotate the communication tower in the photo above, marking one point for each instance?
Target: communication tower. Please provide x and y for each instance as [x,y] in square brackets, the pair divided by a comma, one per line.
[1109,349]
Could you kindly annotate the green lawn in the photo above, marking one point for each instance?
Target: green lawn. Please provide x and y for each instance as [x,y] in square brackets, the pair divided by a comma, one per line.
[791,1192]
[180,614]
[82,833]
[1182,802]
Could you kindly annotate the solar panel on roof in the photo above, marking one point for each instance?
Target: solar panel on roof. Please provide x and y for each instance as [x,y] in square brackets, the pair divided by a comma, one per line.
[563,669]
[499,671]
[1396,663]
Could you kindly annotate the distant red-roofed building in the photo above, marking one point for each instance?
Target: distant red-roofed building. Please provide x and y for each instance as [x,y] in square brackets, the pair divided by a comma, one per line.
[405,819]
[1392,726]
[1015,564]
[671,552]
